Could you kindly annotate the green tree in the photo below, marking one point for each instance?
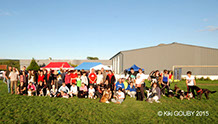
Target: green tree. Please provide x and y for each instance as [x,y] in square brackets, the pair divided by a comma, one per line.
[9,62]
[73,65]
[92,58]
[33,65]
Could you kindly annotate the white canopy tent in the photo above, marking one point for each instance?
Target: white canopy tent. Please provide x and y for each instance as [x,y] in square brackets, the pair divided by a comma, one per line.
[99,67]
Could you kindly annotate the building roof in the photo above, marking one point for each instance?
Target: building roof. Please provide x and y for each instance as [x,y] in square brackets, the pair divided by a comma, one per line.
[161,45]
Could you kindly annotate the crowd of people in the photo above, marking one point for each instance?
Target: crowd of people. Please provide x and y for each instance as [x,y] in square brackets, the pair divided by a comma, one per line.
[84,84]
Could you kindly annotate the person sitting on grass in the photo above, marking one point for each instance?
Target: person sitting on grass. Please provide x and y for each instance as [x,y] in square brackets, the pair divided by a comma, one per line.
[21,89]
[155,94]
[99,92]
[165,82]
[125,83]
[40,88]
[31,89]
[53,91]
[119,96]
[119,84]
[63,88]
[131,90]
[83,92]
[73,90]
[91,92]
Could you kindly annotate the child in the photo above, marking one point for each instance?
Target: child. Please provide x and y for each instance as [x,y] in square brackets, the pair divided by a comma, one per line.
[190,82]
[73,90]
[91,92]
[78,81]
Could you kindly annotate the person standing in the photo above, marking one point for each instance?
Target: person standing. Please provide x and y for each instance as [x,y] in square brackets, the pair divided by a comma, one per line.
[141,82]
[92,77]
[8,79]
[100,78]
[48,78]
[165,82]
[74,76]
[132,75]
[104,74]
[14,78]
[55,75]
[111,79]
[190,83]
[67,79]
[84,79]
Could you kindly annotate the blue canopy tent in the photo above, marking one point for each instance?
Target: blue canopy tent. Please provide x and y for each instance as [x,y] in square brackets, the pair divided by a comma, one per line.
[136,68]
[87,65]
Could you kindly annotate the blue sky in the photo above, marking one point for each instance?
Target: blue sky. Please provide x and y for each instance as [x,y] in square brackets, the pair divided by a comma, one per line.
[75,29]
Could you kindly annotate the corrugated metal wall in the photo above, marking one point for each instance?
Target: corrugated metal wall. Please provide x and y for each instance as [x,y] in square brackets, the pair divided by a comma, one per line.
[166,56]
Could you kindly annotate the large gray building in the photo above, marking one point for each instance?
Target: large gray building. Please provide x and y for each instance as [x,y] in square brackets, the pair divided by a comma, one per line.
[165,56]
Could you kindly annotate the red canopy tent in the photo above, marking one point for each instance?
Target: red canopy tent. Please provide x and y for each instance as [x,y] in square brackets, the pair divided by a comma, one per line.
[58,65]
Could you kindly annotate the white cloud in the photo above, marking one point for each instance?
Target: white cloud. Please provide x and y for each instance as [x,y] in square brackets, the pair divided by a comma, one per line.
[210,28]
[5,13]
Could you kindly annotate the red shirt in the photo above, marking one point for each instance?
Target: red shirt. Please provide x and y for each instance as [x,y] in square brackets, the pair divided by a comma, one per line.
[74,76]
[92,77]
[41,78]
[170,76]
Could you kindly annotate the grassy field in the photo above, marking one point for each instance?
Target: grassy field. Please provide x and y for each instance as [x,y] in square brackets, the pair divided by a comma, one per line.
[24,109]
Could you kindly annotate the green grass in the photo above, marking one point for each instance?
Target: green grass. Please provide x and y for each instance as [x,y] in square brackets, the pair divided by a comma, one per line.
[24,109]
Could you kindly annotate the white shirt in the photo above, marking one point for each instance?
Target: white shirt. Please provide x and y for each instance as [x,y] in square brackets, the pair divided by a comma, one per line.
[84,80]
[121,95]
[99,78]
[190,80]
[92,90]
[140,78]
[73,89]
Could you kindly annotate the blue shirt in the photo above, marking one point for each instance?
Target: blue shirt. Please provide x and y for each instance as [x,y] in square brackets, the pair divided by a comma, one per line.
[118,85]
[131,89]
